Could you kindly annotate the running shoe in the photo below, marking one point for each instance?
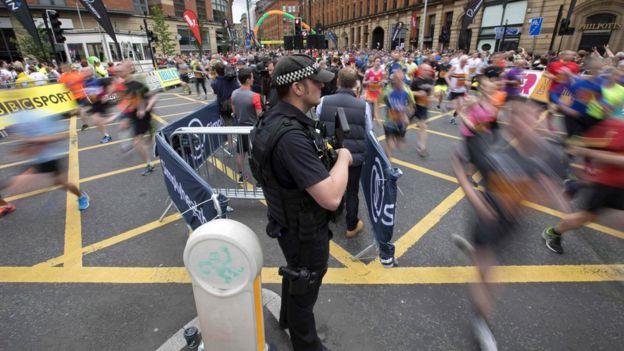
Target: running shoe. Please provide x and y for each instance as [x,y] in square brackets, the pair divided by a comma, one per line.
[355,231]
[453,121]
[6,209]
[241,179]
[552,240]
[484,334]
[105,139]
[389,262]
[84,127]
[83,201]
[148,170]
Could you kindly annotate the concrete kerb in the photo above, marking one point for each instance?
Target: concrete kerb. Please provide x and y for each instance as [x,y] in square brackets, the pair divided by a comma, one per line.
[271,302]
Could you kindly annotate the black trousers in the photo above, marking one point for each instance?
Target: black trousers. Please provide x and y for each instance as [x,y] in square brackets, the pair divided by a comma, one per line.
[353,202]
[202,82]
[296,312]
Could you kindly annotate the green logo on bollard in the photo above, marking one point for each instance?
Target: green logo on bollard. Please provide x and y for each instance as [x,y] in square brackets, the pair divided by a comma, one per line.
[220,262]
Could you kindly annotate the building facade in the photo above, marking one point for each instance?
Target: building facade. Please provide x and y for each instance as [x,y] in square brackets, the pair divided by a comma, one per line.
[366,24]
[84,36]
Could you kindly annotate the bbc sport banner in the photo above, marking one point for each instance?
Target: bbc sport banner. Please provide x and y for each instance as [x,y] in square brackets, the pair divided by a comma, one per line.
[380,192]
[52,98]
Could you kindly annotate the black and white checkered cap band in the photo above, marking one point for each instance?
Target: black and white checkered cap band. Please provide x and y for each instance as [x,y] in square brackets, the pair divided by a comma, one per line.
[297,75]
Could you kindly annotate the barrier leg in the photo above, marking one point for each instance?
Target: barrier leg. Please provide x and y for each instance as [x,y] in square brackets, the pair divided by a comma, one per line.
[360,255]
[165,212]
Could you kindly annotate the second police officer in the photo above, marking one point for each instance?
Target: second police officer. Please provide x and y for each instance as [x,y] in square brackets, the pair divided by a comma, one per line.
[302,187]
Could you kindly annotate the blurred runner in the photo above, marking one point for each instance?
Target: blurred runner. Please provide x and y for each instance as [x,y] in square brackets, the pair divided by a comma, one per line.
[96,92]
[74,81]
[41,138]
[457,80]
[422,85]
[399,105]
[373,81]
[441,85]
[511,176]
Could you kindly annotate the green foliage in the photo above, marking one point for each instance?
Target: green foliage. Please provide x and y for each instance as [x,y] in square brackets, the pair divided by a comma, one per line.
[165,42]
[28,46]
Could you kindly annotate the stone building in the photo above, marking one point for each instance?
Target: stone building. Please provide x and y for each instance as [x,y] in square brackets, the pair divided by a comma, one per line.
[369,24]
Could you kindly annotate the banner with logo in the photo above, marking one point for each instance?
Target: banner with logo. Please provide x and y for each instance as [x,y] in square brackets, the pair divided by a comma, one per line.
[414,26]
[380,192]
[332,36]
[168,77]
[397,30]
[535,86]
[51,98]
[198,146]
[471,12]
[97,9]
[19,9]
[226,25]
[191,20]
[190,194]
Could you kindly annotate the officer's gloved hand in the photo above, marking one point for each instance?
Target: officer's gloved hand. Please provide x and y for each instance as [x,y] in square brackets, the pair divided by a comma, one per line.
[346,154]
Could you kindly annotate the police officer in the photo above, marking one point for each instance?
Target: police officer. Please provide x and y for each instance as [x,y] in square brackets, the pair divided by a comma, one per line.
[302,184]
[359,118]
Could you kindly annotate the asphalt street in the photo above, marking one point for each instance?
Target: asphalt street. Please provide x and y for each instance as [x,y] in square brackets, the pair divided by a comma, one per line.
[112,277]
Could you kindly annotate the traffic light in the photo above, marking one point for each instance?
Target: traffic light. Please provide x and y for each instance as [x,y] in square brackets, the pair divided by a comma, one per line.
[564,27]
[298,26]
[152,37]
[55,24]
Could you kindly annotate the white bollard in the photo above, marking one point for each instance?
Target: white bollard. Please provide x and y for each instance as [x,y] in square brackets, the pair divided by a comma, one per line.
[224,259]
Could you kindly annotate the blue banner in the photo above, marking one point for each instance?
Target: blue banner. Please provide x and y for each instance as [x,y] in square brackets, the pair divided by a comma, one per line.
[191,195]
[380,192]
[198,147]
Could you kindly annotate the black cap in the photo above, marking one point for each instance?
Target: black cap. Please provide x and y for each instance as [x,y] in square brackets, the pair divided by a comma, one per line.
[293,68]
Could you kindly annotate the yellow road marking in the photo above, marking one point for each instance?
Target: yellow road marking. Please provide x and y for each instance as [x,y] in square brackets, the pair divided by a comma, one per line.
[73,226]
[82,181]
[190,99]
[159,119]
[339,253]
[109,241]
[399,275]
[598,227]
[423,226]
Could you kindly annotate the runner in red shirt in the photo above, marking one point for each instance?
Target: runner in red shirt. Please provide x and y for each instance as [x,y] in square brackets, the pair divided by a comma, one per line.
[560,72]
[604,145]
[74,81]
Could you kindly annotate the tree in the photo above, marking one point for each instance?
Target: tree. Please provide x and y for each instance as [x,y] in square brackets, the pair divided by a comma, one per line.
[28,46]
[161,29]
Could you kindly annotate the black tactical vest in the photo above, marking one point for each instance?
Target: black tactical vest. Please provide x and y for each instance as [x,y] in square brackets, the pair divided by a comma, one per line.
[293,210]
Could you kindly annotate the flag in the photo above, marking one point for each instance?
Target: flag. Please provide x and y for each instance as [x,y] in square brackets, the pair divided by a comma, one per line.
[379,186]
[397,30]
[191,20]
[19,8]
[97,9]
[471,12]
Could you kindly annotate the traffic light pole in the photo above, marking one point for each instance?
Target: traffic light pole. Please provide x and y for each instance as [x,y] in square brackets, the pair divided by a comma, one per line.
[149,42]
[50,36]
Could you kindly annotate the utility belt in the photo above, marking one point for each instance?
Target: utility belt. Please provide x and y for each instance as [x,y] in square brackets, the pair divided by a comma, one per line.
[301,280]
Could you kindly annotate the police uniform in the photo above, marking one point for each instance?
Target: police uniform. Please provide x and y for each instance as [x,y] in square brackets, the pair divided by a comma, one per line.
[288,156]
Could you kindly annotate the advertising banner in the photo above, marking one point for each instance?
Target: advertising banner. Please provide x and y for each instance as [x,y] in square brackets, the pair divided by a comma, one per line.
[52,98]
[191,20]
[379,186]
[97,9]
[19,9]
[168,77]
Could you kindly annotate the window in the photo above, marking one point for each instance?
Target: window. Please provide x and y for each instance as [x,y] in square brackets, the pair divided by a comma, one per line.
[140,6]
[367,7]
[76,52]
[95,49]
[448,22]
[385,5]
[431,28]
[52,2]
[148,53]
[219,10]
[514,13]
[114,52]
[201,8]
[178,8]
[137,52]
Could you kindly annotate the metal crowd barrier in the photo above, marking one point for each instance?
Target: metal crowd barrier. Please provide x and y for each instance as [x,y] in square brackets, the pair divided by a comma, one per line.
[212,152]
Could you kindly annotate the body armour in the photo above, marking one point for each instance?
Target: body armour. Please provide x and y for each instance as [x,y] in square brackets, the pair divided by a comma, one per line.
[292,210]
